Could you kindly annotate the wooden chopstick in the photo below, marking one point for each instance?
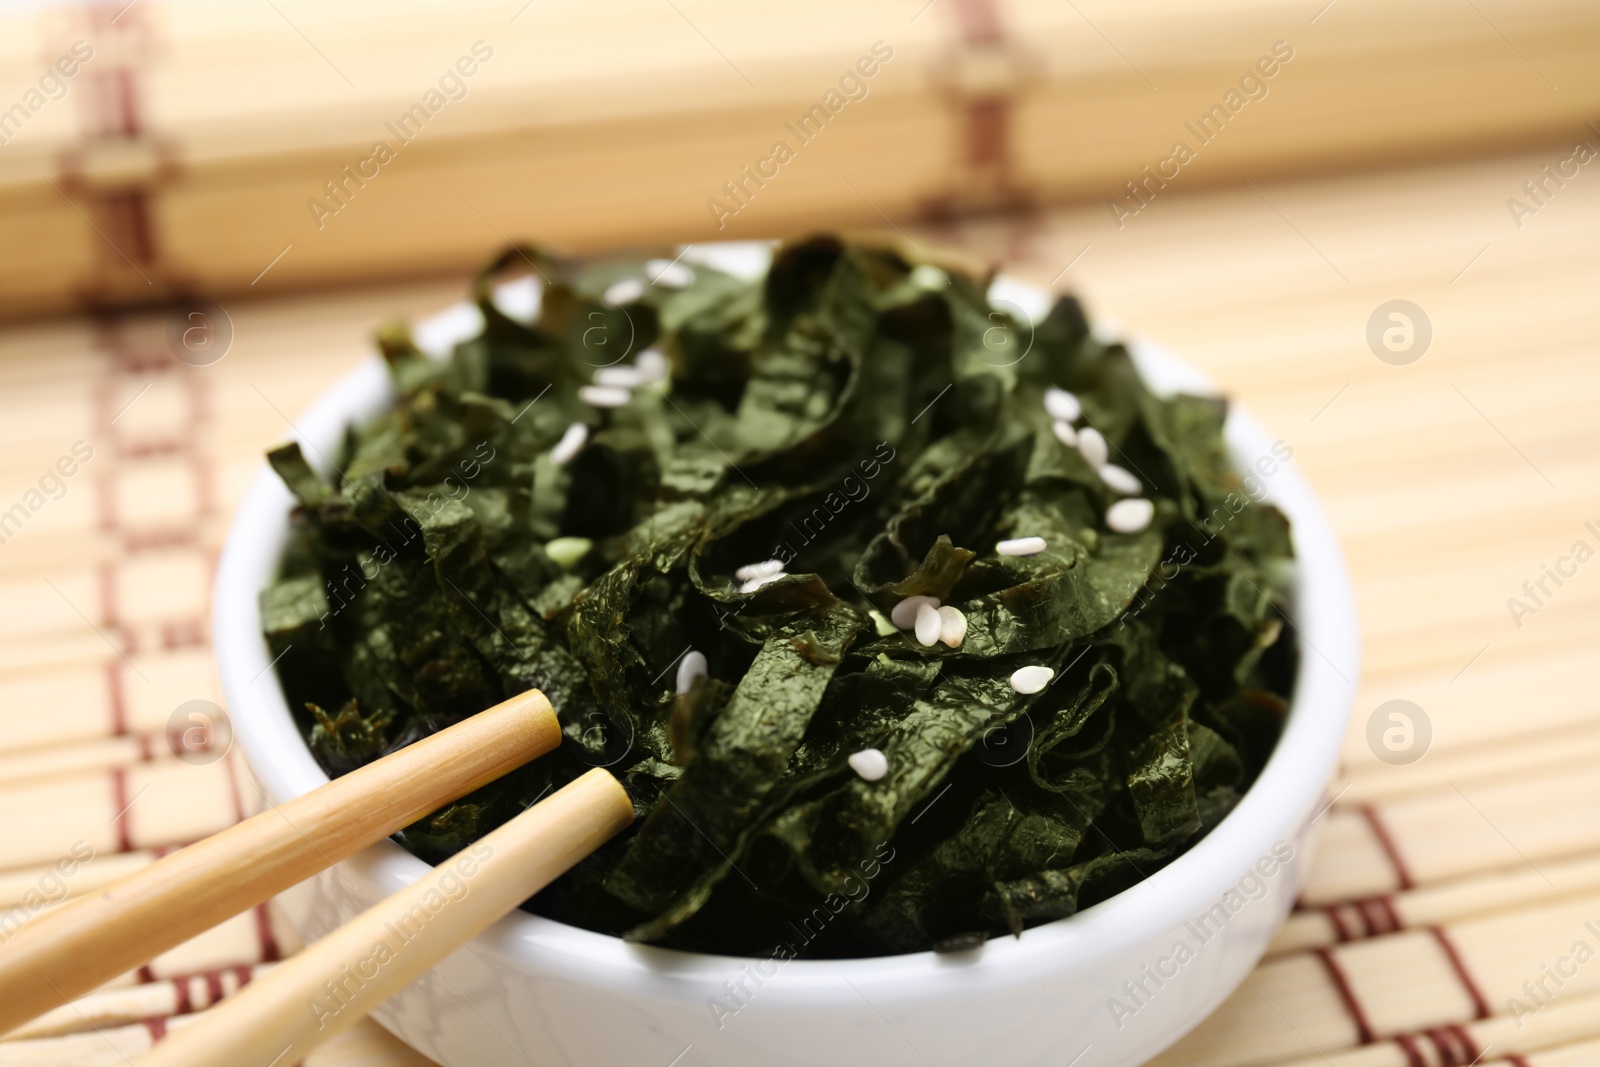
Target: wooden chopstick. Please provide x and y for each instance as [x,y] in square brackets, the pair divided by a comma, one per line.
[66,952]
[335,982]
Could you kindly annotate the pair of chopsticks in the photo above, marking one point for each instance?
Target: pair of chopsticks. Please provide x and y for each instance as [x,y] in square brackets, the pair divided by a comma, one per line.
[64,953]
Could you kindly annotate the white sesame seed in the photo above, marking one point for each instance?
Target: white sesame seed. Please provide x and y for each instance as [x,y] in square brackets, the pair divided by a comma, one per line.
[1031,679]
[520,298]
[565,551]
[952,626]
[1060,404]
[904,614]
[1122,481]
[1021,546]
[1092,443]
[571,443]
[870,763]
[438,334]
[624,292]
[620,376]
[1106,331]
[752,584]
[1066,434]
[690,668]
[759,570]
[668,274]
[651,365]
[604,396]
[1130,516]
[928,625]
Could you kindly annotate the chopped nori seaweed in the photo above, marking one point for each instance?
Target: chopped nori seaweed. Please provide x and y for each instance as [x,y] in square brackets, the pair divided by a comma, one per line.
[850,416]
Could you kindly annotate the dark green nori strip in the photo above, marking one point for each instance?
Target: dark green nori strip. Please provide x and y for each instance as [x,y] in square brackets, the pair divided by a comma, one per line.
[855,418]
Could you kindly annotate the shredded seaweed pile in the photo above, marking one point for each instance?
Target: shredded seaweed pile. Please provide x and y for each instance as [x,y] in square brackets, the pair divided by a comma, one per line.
[876,427]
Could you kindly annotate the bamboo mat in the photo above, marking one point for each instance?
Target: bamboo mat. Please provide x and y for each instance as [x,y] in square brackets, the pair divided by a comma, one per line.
[625,120]
[1453,911]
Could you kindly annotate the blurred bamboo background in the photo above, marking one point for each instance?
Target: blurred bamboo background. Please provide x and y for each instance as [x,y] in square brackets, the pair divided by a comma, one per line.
[183,155]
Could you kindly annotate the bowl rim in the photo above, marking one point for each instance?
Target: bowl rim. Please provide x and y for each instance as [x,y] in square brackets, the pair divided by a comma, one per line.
[1273,810]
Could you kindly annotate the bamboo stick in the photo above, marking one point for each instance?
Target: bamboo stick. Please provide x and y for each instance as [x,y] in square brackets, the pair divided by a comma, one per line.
[67,951]
[385,948]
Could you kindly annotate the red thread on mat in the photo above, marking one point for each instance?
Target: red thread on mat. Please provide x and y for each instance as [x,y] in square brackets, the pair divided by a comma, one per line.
[980,21]
[1414,1056]
[1517,1060]
[1369,917]
[108,594]
[105,494]
[1386,842]
[1347,996]
[136,541]
[184,1003]
[205,491]
[119,703]
[269,944]
[157,1028]
[233,786]
[119,797]
[988,132]
[1480,1004]
[145,975]
[982,111]
[1454,1045]
[1379,915]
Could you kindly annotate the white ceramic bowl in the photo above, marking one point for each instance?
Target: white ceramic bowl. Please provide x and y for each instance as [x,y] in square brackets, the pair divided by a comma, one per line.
[1108,987]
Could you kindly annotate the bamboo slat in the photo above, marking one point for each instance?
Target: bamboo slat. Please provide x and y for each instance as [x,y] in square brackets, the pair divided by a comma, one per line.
[103,754]
[1559,1034]
[119,1005]
[27,886]
[1362,917]
[1406,983]
[1506,756]
[366,1046]
[1577,1055]
[1453,830]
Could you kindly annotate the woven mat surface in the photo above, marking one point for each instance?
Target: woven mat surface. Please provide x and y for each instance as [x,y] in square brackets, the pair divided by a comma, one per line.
[1453,913]
[638,119]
